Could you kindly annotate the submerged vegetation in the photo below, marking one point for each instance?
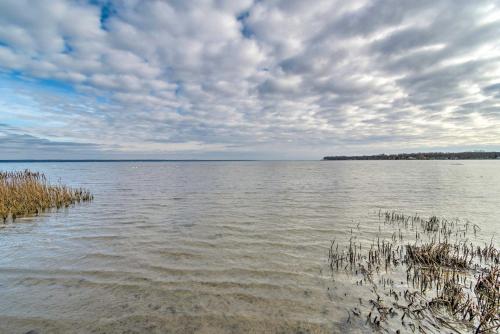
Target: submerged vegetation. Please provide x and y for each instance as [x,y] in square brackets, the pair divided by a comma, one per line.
[27,193]
[427,276]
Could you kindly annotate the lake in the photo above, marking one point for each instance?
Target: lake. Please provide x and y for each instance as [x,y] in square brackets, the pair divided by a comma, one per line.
[215,247]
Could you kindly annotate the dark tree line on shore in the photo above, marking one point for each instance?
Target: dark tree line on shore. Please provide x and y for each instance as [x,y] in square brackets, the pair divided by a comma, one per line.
[421,156]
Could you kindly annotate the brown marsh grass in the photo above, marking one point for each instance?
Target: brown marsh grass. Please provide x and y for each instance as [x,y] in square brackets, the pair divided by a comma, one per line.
[27,193]
[451,283]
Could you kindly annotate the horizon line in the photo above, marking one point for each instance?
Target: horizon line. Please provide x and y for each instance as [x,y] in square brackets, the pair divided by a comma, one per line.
[124,160]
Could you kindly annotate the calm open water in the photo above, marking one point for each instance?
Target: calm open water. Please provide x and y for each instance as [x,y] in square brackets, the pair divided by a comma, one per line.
[215,247]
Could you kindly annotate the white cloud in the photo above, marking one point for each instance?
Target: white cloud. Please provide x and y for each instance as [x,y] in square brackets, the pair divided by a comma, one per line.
[276,78]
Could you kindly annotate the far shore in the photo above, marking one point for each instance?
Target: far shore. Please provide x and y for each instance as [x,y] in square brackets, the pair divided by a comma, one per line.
[422,156]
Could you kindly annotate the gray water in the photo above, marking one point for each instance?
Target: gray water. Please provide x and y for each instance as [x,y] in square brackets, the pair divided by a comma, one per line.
[214,247]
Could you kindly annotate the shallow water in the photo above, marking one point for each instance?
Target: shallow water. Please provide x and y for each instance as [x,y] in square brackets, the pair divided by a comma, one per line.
[215,247]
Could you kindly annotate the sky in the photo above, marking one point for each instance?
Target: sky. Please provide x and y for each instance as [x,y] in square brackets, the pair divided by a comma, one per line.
[243,79]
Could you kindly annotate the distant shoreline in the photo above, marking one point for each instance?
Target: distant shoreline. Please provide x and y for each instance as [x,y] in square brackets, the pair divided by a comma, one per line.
[422,156]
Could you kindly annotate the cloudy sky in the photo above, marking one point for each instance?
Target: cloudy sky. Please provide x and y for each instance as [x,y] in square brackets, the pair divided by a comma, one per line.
[287,79]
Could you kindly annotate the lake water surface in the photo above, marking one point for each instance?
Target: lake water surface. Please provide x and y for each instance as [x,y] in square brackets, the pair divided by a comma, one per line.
[215,247]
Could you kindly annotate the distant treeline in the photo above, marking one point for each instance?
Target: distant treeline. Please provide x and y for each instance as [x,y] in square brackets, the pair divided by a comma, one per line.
[421,156]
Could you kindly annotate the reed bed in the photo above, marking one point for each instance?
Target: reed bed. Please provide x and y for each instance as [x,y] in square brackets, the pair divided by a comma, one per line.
[451,283]
[440,254]
[27,193]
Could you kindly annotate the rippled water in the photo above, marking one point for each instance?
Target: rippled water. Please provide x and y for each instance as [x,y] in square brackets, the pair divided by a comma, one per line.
[214,247]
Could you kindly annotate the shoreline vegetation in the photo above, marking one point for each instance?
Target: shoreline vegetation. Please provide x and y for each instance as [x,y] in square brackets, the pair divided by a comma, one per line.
[422,156]
[421,275]
[27,193]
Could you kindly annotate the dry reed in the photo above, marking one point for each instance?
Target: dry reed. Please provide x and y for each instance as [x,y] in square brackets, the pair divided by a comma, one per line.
[444,272]
[27,193]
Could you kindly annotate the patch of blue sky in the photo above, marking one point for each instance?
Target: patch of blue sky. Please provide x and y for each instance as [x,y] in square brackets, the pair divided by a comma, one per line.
[19,123]
[246,31]
[17,90]
[179,88]
[67,46]
[107,10]
[8,96]
[181,111]
[16,78]
[21,101]
[103,99]
[57,85]
[17,110]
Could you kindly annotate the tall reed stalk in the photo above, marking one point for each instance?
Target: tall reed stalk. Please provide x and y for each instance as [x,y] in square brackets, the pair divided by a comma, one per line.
[26,193]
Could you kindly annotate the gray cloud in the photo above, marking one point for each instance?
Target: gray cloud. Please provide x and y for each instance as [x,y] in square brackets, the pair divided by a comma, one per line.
[248,78]
[19,145]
